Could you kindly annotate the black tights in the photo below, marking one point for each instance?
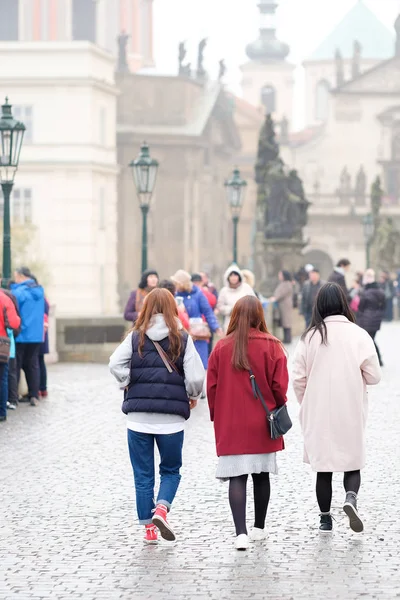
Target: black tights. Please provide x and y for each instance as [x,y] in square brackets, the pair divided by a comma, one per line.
[351,482]
[237,500]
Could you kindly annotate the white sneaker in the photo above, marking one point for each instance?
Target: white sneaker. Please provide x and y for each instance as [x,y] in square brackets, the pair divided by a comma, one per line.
[256,534]
[242,542]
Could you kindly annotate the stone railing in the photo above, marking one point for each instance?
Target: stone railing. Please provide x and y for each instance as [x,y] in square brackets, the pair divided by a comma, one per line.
[89,340]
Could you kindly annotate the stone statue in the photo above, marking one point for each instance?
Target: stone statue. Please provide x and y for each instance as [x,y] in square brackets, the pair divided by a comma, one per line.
[361,186]
[122,65]
[344,191]
[222,70]
[356,61]
[282,206]
[284,137]
[201,72]
[181,56]
[339,68]
[183,69]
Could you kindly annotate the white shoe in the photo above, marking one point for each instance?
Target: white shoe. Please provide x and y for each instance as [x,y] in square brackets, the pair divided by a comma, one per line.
[256,534]
[242,542]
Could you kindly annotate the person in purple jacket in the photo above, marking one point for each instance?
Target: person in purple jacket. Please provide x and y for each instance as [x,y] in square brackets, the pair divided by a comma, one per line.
[148,282]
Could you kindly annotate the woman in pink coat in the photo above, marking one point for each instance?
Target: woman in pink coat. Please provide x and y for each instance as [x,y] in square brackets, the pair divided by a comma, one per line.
[334,362]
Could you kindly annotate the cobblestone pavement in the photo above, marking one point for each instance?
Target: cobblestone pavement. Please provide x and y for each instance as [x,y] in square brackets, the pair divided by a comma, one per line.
[68,529]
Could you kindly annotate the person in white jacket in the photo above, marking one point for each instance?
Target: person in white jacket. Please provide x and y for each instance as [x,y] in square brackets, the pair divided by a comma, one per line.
[334,362]
[234,290]
[158,366]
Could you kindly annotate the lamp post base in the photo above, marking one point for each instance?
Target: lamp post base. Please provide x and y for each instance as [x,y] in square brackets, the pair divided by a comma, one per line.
[6,187]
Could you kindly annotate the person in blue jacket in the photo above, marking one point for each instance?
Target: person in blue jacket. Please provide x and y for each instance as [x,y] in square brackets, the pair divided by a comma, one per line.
[197,306]
[30,297]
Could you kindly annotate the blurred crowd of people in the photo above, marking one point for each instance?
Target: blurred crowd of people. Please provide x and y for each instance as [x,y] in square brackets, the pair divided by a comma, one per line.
[24,340]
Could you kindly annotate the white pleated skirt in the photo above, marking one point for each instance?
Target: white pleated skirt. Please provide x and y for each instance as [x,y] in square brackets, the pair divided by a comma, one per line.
[246,464]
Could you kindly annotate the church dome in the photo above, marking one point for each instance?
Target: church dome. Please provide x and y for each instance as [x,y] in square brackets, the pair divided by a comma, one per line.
[267,47]
[361,24]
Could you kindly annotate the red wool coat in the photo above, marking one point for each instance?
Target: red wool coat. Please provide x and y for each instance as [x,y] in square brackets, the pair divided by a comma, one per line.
[240,421]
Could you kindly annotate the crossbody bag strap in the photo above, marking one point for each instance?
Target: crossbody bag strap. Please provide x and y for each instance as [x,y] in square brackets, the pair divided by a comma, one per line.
[257,393]
[165,358]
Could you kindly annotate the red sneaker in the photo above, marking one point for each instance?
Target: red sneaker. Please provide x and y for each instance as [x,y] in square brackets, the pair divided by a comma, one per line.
[151,534]
[160,521]
[43,394]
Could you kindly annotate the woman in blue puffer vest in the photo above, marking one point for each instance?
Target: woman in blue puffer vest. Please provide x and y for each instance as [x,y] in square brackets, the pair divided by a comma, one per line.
[162,374]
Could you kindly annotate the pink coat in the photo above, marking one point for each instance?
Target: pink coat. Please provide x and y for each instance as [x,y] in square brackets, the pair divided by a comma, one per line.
[330,383]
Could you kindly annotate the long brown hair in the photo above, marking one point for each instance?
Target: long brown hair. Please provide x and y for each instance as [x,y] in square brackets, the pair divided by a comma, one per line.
[160,302]
[247,314]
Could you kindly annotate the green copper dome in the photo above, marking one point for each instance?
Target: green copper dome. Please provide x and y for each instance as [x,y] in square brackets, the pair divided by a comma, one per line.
[361,24]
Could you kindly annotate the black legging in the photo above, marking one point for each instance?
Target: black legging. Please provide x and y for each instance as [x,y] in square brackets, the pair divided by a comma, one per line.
[351,482]
[373,334]
[237,500]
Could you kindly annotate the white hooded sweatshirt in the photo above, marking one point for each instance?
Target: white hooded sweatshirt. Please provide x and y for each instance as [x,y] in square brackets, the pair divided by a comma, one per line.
[120,365]
[228,296]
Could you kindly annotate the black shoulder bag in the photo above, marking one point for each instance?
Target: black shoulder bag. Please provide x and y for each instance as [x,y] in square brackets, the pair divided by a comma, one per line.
[279,420]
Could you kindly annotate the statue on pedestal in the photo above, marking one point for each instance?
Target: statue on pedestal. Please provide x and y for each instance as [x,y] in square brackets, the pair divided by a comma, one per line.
[122,65]
[201,72]
[222,70]
[183,69]
[339,68]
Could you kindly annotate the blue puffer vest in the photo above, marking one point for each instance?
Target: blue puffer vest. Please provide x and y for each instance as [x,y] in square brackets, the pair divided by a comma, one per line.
[152,387]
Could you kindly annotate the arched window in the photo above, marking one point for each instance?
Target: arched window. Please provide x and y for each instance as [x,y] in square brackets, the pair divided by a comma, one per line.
[268,98]
[322,95]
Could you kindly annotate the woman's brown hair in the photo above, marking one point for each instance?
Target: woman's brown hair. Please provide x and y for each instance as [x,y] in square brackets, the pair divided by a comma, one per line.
[247,314]
[160,302]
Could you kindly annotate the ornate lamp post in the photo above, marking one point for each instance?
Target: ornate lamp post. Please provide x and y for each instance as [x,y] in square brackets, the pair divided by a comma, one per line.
[235,188]
[144,171]
[369,231]
[11,136]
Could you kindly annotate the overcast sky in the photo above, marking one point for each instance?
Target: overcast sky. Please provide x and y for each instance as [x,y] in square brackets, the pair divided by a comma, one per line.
[231,24]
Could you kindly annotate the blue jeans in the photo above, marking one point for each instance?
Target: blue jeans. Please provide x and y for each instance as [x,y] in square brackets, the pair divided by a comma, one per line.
[3,389]
[141,452]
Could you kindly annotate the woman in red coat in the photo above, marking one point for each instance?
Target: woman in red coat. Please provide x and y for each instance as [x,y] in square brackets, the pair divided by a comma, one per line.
[243,441]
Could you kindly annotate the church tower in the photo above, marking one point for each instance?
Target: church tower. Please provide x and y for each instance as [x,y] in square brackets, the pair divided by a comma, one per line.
[268,79]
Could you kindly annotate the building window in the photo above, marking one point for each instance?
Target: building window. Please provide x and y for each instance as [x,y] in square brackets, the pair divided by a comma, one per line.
[268,98]
[9,20]
[84,20]
[322,95]
[102,209]
[24,113]
[102,126]
[20,206]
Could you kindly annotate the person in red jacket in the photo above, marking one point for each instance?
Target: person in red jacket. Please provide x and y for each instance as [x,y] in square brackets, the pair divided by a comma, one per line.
[243,441]
[9,319]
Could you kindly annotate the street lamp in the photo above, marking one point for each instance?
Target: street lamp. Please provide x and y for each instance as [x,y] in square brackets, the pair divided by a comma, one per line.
[11,136]
[144,171]
[369,231]
[235,188]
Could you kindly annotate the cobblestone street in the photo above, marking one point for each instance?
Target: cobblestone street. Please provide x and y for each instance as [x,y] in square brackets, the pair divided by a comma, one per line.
[68,525]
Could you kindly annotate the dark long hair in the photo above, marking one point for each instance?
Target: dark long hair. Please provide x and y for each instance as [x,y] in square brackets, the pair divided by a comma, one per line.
[286,275]
[330,301]
[247,314]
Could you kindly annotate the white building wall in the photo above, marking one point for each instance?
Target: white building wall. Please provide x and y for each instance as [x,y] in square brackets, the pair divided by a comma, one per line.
[325,70]
[70,167]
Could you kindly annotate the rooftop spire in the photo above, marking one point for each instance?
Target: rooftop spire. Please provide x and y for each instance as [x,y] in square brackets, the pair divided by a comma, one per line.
[267,47]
